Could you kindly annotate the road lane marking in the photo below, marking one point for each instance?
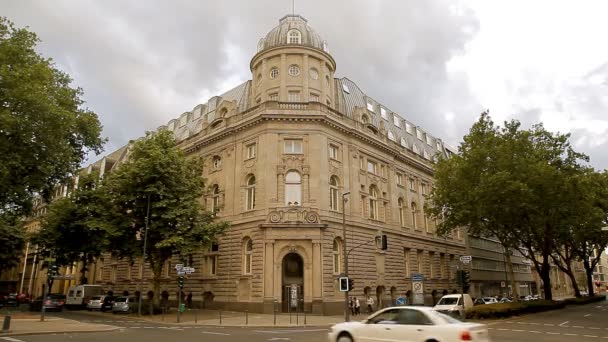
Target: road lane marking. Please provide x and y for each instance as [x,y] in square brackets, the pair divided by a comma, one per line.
[587,315]
[279,339]
[288,331]
[549,325]
[578,326]
[594,328]
[535,331]
[552,333]
[11,339]
[566,322]
[214,333]
[591,336]
[567,334]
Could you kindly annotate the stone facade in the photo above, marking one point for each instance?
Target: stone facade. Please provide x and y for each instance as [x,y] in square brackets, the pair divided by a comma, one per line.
[280,151]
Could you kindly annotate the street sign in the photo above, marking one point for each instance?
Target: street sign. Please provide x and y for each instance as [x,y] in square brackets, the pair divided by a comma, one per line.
[503,284]
[465,259]
[179,266]
[417,287]
[64,277]
[188,270]
[417,277]
[50,259]
[400,301]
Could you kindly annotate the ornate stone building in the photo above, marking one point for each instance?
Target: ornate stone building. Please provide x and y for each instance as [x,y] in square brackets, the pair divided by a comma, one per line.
[280,152]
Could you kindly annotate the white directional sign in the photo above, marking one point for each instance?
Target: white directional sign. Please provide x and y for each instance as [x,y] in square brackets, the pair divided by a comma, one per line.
[182,270]
[466,259]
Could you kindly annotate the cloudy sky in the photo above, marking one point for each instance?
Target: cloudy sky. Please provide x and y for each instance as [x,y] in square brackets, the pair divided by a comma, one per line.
[438,63]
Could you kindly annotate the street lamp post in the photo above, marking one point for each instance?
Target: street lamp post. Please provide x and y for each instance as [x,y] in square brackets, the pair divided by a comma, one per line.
[346,308]
[143,258]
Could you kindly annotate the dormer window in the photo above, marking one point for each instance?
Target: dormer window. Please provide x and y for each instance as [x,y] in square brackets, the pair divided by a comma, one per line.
[294,37]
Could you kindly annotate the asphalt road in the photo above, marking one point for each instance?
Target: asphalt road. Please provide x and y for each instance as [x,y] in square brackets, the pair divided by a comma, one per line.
[580,323]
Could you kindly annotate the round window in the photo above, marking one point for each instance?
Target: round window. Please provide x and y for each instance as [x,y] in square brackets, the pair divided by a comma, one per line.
[314,74]
[274,73]
[294,70]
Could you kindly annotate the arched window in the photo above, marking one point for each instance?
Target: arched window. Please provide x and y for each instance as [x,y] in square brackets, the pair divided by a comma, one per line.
[250,197]
[294,37]
[334,203]
[217,162]
[337,254]
[215,203]
[293,188]
[247,255]
[373,202]
[401,212]
[414,213]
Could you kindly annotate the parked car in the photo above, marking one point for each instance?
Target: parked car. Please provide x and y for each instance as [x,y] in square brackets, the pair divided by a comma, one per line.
[409,323]
[108,302]
[124,304]
[454,304]
[505,300]
[53,301]
[95,303]
[489,300]
[79,295]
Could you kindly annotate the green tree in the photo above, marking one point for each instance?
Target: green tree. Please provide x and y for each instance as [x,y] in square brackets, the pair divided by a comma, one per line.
[45,133]
[78,227]
[508,183]
[158,177]
[11,241]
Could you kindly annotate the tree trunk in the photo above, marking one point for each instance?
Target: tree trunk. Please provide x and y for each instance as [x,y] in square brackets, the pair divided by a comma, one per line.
[570,273]
[512,276]
[589,274]
[545,275]
[157,269]
[565,265]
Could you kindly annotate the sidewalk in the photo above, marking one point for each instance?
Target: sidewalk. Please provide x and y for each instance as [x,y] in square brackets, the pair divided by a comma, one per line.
[29,324]
[241,319]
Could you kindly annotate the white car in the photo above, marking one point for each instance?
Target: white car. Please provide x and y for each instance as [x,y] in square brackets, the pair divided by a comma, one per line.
[408,323]
[489,300]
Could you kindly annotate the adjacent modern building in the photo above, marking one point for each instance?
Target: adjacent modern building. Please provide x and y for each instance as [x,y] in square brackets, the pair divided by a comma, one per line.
[489,271]
[288,155]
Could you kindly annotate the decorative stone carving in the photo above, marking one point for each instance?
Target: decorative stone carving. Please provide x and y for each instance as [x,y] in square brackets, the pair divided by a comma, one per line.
[293,215]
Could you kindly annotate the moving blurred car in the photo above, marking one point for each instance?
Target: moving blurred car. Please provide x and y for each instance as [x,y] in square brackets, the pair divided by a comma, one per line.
[124,304]
[453,304]
[108,302]
[409,323]
[53,301]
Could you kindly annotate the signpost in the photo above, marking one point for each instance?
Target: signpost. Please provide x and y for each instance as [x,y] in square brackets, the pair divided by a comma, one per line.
[400,301]
[465,259]
[181,272]
[417,288]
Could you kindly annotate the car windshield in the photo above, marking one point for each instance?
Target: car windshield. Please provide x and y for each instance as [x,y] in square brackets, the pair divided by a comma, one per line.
[121,299]
[446,318]
[449,301]
[56,296]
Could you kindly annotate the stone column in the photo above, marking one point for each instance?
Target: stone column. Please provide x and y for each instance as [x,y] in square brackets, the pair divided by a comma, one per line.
[317,278]
[264,76]
[306,93]
[283,78]
[268,277]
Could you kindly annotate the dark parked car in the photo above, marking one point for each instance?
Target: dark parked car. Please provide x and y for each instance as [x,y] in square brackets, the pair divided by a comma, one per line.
[54,301]
[108,302]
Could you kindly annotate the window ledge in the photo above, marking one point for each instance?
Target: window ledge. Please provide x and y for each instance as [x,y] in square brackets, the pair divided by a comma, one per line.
[246,159]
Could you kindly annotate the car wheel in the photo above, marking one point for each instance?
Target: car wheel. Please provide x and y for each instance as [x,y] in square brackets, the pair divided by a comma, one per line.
[344,337]
[431,340]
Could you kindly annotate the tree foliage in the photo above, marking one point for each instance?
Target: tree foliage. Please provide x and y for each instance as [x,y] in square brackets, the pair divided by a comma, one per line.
[78,227]
[12,240]
[45,132]
[158,173]
[512,184]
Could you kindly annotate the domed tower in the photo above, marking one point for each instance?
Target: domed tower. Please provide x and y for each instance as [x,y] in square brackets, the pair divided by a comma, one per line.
[293,65]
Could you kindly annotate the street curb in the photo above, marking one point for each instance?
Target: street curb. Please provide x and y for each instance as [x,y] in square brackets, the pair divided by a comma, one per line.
[48,332]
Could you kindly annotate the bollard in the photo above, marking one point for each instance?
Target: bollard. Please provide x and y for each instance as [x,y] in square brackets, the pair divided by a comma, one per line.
[246,317]
[6,326]
[220,317]
[162,317]
[275,314]
[304,317]
[297,318]
[195,316]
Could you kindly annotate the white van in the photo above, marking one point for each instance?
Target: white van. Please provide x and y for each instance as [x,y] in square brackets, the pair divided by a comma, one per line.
[454,304]
[79,295]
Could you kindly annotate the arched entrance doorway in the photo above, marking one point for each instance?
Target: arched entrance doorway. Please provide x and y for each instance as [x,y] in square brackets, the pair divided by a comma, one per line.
[293,283]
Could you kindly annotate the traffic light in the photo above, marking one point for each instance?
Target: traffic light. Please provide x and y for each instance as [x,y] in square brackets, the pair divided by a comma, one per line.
[459,277]
[351,284]
[180,282]
[465,281]
[344,284]
[53,271]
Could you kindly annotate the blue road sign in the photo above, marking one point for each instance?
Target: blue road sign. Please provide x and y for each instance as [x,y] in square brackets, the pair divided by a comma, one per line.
[417,277]
[400,301]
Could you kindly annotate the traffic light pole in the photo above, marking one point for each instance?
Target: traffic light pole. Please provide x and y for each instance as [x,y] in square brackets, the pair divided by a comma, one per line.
[46,291]
[179,304]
